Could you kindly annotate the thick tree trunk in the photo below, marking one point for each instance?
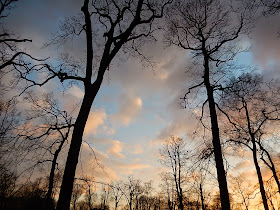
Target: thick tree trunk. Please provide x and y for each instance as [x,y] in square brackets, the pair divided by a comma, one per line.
[218,152]
[224,195]
[74,150]
[91,91]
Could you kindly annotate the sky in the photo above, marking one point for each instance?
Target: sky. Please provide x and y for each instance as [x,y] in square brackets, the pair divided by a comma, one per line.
[137,107]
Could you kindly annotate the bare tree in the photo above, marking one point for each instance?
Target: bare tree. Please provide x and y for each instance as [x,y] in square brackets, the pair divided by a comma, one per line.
[168,189]
[109,26]
[255,106]
[242,190]
[48,134]
[268,160]
[131,189]
[207,28]
[174,155]
[116,187]
[119,22]
[77,193]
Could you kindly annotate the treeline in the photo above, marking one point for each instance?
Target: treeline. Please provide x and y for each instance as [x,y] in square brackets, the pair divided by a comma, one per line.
[127,195]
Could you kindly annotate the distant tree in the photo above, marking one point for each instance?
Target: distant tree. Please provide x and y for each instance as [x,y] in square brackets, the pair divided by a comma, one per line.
[31,195]
[146,200]
[174,155]
[132,189]
[117,193]
[7,185]
[169,189]
[77,193]
[242,190]
[105,195]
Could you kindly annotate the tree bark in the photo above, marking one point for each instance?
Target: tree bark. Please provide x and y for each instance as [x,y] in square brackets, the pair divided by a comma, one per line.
[224,195]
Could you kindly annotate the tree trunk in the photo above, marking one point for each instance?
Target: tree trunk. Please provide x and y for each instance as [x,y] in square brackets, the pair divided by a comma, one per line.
[201,197]
[181,205]
[74,150]
[258,170]
[224,195]
[254,149]
[275,175]
[271,166]
[51,179]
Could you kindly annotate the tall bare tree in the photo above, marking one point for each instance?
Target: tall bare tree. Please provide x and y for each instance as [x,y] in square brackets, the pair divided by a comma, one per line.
[207,28]
[119,22]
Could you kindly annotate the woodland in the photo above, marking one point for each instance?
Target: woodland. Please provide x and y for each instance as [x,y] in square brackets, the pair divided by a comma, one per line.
[235,107]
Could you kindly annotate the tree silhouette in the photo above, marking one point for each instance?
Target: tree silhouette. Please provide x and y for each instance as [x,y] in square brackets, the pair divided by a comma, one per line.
[174,155]
[255,106]
[206,28]
[120,22]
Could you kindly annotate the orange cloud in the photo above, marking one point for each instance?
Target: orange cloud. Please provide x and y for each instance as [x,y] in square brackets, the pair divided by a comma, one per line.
[95,119]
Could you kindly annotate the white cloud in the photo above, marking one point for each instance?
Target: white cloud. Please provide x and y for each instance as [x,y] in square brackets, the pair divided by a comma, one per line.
[129,107]
[136,149]
[116,149]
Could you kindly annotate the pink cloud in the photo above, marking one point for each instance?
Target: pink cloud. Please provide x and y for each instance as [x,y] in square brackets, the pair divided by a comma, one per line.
[96,119]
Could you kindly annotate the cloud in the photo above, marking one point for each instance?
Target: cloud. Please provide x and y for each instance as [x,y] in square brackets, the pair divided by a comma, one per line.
[136,149]
[266,46]
[95,119]
[129,107]
[243,164]
[116,149]
[95,163]
[102,167]
[134,166]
